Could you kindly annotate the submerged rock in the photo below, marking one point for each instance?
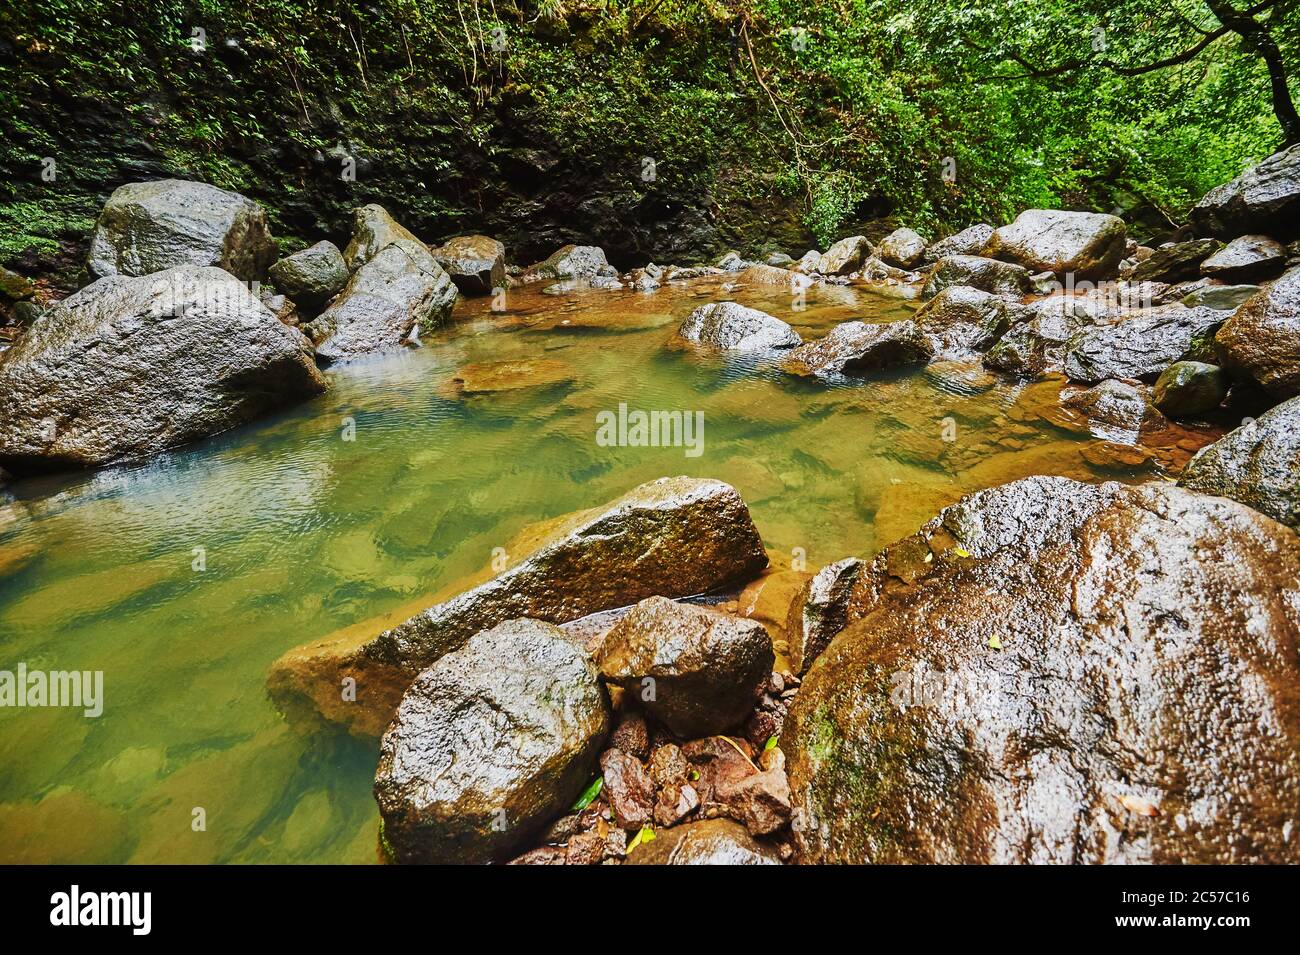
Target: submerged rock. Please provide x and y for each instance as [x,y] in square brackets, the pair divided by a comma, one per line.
[1265,198]
[1262,338]
[857,348]
[397,294]
[1088,245]
[736,327]
[710,842]
[1139,345]
[1077,674]
[312,276]
[489,744]
[130,366]
[1256,464]
[968,241]
[695,670]
[1247,258]
[490,377]
[476,263]
[148,227]
[675,536]
[1189,388]
[771,275]
[985,274]
[902,248]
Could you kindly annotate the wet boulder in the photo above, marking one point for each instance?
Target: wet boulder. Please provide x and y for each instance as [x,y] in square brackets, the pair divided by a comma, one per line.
[902,248]
[773,276]
[859,348]
[570,261]
[476,263]
[709,842]
[397,294]
[961,320]
[15,287]
[845,256]
[1058,672]
[373,229]
[627,788]
[1140,344]
[819,612]
[1261,341]
[1087,245]
[312,276]
[736,327]
[1255,464]
[985,274]
[1176,262]
[1265,198]
[1247,258]
[1035,345]
[149,227]
[1224,298]
[130,366]
[694,669]
[1188,388]
[489,744]
[1116,411]
[966,242]
[675,536]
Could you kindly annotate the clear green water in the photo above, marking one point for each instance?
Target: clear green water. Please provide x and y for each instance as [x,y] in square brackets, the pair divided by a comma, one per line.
[304,532]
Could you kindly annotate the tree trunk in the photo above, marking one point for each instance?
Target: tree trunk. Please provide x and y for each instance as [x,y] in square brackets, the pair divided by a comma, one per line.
[1255,36]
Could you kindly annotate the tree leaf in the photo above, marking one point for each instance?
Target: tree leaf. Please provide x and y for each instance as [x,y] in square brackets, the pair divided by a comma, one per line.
[589,794]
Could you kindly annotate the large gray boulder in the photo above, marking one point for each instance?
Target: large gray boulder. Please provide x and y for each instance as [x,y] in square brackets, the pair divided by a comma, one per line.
[489,744]
[696,670]
[1178,262]
[570,261]
[1138,345]
[969,241]
[845,256]
[476,263]
[737,327]
[962,320]
[372,230]
[976,271]
[1265,198]
[1261,341]
[902,248]
[311,276]
[1088,245]
[397,294]
[675,536]
[1035,345]
[1257,464]
[130,366]
[148,227]
[1057,672]
[858,348]
[1247,258]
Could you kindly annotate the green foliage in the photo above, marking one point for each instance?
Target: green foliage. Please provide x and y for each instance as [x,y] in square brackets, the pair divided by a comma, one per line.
[851,108]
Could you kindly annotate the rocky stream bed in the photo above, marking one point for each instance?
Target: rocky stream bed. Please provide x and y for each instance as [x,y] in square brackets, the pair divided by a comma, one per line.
[973,550]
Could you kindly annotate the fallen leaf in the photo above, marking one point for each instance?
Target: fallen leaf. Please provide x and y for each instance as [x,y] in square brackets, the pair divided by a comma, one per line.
[645,835]
[961,551]
[589,794]
[995,643]
[770,744]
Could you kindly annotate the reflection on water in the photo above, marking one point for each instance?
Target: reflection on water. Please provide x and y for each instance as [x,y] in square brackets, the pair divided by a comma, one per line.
[183,578]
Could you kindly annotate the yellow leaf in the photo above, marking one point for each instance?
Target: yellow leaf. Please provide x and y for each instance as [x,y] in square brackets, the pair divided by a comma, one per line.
[995,643]
[961,551]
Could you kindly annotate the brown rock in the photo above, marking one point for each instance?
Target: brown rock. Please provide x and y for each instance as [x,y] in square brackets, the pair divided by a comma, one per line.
[760,801]
[628,788]
[1262,338]
[676,802]
[694,669]
[711,842]
[632,736]
[674,536]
